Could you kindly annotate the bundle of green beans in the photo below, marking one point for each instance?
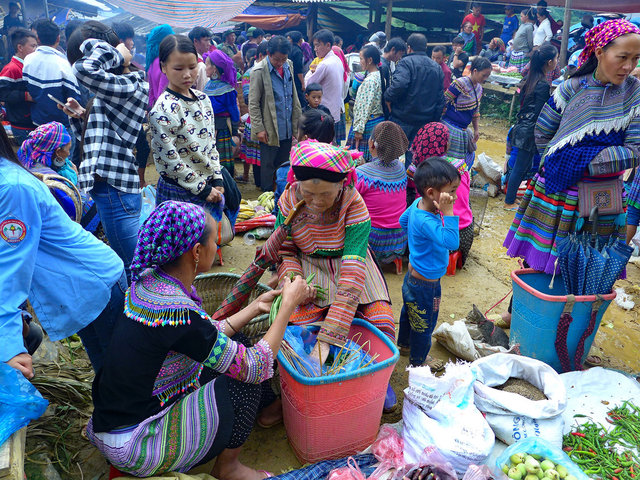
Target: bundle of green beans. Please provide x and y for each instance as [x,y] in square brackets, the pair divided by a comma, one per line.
[607,454]
[321,294]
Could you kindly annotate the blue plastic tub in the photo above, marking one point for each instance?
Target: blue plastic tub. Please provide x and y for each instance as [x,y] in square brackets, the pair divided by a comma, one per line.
[536,312]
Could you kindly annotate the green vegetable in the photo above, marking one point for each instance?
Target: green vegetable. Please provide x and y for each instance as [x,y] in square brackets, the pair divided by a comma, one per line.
[517,458]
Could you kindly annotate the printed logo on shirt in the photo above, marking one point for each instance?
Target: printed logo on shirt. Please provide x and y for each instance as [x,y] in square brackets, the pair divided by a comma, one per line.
[13,231]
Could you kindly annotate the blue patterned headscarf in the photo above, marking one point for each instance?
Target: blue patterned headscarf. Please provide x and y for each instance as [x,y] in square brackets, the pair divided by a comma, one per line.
[172,229]
[154,38]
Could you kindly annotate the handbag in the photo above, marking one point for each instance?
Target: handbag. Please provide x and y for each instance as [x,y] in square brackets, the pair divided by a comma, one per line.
[606,195]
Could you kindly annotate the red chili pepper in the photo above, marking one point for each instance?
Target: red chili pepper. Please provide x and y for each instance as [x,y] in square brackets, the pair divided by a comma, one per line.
[591,450]
[614,478]
[617,470]
[578,434]
[631,470]
[567,449]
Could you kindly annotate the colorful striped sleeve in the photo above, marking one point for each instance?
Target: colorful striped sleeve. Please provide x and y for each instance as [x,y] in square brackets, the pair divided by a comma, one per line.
[547,125]
[337,323]
[289,252]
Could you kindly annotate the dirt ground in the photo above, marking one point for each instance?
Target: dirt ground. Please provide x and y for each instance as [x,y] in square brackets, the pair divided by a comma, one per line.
[483,281]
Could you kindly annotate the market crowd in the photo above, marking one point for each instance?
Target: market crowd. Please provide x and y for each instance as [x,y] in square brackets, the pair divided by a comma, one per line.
[368,150]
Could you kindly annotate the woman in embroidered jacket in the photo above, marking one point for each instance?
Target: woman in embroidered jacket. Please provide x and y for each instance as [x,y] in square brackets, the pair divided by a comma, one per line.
[588,133]
[179,389]
[367,109]
[330,238]
[463,108]
[383,186]
[221,90]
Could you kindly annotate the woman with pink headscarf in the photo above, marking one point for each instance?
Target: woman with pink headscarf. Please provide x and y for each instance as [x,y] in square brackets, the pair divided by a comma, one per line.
[588,134]
[221,90]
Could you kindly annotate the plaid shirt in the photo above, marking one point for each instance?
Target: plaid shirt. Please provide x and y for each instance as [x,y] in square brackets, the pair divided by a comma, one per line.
[115,119]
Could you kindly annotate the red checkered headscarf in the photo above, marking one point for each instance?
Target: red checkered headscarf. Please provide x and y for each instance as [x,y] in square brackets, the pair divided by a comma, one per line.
[601,35]
[432,140]
[312,159]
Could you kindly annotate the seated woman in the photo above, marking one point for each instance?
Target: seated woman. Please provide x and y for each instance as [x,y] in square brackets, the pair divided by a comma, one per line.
[46,152]
[49,146]
[383,186]
[495,51]
[162,415]
[330,239]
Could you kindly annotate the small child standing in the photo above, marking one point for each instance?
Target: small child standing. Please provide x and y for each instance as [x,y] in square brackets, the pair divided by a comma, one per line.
[313,96]
[432,230]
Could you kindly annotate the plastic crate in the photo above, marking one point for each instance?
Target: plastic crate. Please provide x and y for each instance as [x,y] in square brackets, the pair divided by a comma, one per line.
[339,415]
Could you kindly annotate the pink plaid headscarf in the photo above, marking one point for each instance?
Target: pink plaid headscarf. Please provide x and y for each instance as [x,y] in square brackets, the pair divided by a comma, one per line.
[323,161]
[603,34]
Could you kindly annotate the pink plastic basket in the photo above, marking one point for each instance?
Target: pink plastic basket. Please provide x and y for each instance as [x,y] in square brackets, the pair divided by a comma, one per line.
[338,415]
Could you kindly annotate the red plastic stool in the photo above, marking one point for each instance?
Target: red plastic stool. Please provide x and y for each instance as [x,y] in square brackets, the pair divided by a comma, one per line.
[114,473]
[455,261]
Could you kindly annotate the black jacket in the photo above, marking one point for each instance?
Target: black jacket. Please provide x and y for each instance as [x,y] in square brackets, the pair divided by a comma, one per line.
[530,108]
[416,90]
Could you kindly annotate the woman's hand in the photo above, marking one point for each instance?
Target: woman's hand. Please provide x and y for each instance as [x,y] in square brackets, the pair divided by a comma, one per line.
[264,301]
[124,51]
[72,108]
[357,136]
[476,136]
[297,292]
[23,363]
[214,196]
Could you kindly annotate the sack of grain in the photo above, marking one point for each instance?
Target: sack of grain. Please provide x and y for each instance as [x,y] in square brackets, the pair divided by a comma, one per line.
[530,406]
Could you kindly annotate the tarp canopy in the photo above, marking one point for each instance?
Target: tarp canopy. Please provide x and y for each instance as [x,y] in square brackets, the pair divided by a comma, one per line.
[615,6]
[185,13]
[270,18]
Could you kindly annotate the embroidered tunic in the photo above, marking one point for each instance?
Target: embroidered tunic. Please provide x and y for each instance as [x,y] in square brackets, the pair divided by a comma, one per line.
[587,131]
[160,349]
[334,246]
[368,104]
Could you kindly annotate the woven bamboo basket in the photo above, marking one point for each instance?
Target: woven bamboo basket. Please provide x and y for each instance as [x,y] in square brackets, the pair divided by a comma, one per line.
[213,288]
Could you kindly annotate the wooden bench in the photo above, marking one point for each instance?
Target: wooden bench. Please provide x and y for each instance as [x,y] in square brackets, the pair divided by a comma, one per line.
[12,456]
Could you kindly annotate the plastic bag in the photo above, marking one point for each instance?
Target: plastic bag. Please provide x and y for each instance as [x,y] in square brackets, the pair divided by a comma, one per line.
[537,446]
[512,416]
[457,338]
[475,472]
[303,339]
[350,472]
[488,168]
[431,461]
[20,402]
[440,411]
[148,202]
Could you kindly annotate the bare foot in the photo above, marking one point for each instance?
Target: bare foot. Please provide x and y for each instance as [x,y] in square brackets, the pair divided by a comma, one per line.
[228,467]
[271,415]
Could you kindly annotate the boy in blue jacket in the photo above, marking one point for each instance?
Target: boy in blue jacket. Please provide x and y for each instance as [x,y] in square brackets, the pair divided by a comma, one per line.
[432,230]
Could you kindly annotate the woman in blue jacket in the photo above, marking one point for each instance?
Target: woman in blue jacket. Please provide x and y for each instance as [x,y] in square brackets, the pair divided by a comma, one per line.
[74,282]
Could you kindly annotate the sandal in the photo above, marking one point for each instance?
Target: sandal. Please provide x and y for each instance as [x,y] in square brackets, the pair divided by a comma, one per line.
[511,209]
[436,365]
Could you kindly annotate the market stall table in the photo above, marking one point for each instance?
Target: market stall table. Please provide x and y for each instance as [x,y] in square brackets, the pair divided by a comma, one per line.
[505,85]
